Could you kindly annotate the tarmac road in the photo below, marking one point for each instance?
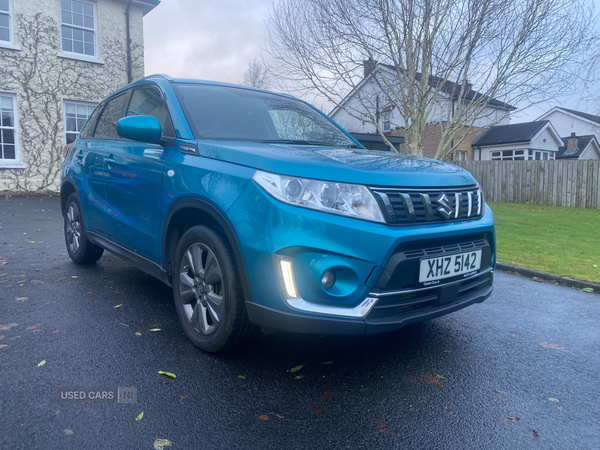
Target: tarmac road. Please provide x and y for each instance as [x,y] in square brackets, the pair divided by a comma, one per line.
[530,352]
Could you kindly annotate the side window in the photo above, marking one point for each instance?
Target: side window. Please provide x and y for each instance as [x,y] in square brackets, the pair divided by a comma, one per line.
[88,129]
[149,102]
[107,125]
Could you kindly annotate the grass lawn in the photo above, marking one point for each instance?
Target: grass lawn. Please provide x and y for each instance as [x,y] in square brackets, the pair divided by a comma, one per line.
[562,241]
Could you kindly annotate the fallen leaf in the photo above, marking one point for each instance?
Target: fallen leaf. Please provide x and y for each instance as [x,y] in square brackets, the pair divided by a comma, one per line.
[297,377]
[62,278]
[433,380]
[124,324]
[383,429]
[552,399]
[56,413]
[42,362]
[264,417]
[447,351]
[315,409]
[327,362]
[34,328]
[21,299]
[241,377]
[55,331]
[183,397]
[552,346]
[169,374]
[159,444]
[281,417]
[590,290]
[74,276]
[537,435]
[326,396]
[440,377]
[138,334]
[90,292]
[8,326]
[118,306]
[116,292]
[508,419]
[154,329]
[140,416]
[3,346]
[297,368]
[539,280]
[68,432]
[447,411]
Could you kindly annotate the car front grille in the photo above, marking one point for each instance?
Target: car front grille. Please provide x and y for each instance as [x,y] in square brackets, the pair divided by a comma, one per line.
[417,206]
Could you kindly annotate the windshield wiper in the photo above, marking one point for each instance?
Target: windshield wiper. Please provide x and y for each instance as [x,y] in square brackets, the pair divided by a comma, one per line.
[294,142]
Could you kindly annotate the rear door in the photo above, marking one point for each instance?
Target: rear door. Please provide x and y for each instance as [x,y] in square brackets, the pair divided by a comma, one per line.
[134,179]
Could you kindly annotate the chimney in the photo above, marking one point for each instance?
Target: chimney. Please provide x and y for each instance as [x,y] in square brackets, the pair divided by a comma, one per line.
[369,66]
[572,143]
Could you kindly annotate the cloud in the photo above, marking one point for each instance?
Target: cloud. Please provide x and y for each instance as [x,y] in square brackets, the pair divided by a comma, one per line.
[204,40]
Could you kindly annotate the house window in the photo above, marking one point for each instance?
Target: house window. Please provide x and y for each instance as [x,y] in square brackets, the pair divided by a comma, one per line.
[509,155]
[76,115]
[387,126]
[540,155]
[5,21]
[8,129]
[78,27]
[460,156]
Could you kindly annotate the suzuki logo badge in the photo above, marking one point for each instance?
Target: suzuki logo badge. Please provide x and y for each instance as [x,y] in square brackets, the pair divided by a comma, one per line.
[445,208]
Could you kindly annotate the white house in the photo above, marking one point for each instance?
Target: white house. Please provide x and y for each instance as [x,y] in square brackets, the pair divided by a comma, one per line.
[568,121]
[368,98]
[520,141]
[579,147]
[58,59]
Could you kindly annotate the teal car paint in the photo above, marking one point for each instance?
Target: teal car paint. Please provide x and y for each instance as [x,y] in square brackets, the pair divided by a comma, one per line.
[261,212]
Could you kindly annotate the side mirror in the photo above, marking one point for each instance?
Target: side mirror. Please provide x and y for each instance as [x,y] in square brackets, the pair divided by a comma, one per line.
[139,128]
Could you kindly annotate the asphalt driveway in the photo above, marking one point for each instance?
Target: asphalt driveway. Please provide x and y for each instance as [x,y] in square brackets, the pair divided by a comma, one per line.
[519,371]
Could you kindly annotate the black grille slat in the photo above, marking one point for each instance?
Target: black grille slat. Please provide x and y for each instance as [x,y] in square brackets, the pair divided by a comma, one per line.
[437,200]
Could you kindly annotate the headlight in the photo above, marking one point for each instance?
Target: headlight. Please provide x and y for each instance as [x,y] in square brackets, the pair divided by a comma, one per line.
[352,200]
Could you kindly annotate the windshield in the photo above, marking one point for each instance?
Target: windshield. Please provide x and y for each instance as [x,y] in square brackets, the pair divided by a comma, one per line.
[220,112]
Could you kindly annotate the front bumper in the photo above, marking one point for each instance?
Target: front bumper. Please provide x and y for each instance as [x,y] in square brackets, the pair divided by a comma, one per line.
[391,312]
[371,260]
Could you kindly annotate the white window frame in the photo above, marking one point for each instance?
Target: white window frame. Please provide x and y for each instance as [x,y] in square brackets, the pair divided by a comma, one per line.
[386,121]
[74,55]
[10,44]
[461,155]
[522,155]
[12,163]
[74,102]
[534,153]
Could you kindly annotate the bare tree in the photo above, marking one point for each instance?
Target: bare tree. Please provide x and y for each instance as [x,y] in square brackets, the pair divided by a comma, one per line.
[257,74]
[424,58]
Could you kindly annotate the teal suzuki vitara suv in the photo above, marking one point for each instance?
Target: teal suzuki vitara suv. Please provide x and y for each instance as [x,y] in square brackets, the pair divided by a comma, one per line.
[260,211]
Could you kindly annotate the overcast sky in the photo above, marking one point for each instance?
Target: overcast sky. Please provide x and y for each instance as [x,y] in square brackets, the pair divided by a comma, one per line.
[216,41]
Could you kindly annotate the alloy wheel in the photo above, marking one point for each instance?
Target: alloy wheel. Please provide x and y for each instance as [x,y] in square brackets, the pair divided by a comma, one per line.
[201,288]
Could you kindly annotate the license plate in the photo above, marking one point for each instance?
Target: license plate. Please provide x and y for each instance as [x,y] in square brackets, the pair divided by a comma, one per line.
[434,269]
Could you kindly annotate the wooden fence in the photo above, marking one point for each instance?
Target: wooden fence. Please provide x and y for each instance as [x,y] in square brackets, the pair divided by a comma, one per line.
[553,183]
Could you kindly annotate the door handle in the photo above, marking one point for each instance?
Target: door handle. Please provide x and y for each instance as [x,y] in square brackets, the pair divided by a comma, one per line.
[109,161]
[79,155]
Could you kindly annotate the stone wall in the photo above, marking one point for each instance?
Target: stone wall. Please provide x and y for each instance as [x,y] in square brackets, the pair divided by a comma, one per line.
[42,81]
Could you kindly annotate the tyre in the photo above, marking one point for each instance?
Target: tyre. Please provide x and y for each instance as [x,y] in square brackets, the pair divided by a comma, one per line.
[207,291]
[80,249]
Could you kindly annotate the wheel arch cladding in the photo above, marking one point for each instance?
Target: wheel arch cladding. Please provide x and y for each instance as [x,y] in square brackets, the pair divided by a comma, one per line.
[66,189]
[189,212]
